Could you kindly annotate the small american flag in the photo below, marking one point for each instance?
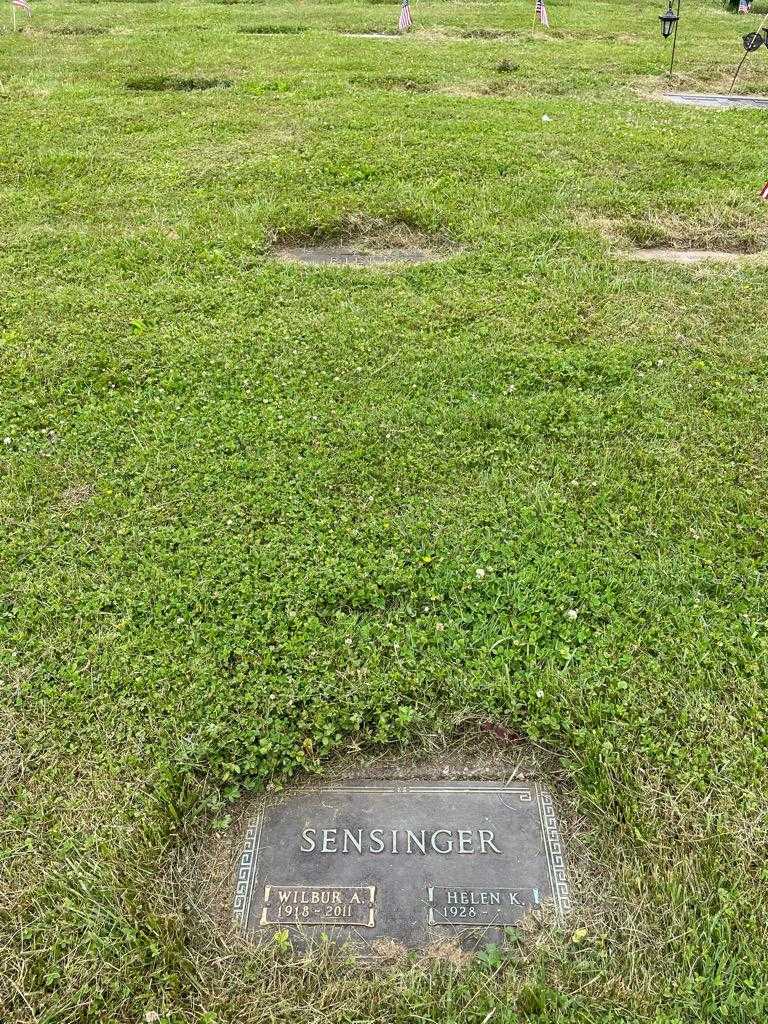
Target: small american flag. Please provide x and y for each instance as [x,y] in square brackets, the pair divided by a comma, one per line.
[541,13]
[743,7]
[405,21]
[23,5]
[764,191]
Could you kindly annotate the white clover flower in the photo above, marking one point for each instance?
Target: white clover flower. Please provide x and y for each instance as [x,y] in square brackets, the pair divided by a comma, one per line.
[571,614]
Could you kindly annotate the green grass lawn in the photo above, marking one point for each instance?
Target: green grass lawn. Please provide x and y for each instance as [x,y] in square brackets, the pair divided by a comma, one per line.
[255,516]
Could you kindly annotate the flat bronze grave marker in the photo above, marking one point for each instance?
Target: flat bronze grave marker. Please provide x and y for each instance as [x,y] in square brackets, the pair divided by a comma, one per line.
[412,862]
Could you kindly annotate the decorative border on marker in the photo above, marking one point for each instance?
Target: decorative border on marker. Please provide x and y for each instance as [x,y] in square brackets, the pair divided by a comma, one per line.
[555,853]
[246,869]
[524,793]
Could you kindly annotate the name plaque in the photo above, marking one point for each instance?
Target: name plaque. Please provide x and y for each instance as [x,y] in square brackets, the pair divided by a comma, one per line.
[319,904]
[412,862]
[458,906]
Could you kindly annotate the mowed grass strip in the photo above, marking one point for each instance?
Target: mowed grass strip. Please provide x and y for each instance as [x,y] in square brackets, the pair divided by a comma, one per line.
[255,516]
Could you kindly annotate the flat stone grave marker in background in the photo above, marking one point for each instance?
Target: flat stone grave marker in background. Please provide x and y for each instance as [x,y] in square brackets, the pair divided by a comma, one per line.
[715,101]
[411,862]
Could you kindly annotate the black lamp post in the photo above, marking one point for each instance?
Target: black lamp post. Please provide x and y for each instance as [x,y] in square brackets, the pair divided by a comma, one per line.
[669,21]
[752,41]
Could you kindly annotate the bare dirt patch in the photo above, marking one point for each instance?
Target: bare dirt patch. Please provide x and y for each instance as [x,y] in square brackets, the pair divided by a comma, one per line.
[168,83]
[74,496]
[363,243]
